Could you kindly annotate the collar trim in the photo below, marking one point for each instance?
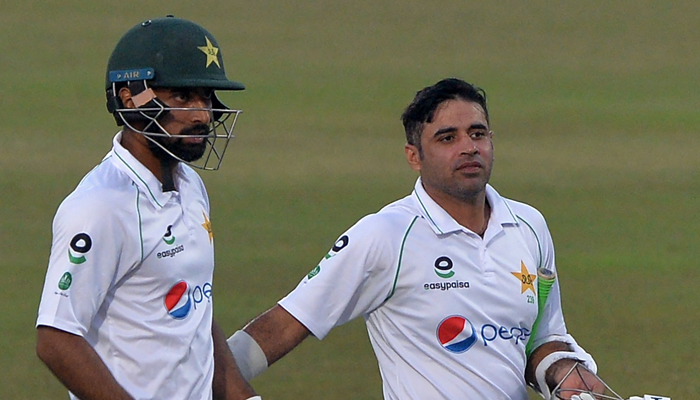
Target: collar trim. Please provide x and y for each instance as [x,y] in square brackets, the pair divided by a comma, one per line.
[441,222]
[139,174]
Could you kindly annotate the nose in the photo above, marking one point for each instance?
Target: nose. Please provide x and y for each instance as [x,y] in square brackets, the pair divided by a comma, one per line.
[469,146]
[203,113]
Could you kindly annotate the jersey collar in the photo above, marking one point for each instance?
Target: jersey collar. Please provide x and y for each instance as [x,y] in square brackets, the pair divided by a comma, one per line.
[149,185]
[441,222]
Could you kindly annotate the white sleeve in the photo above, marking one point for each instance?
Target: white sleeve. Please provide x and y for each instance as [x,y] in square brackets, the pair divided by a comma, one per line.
[353,279]
[83,265]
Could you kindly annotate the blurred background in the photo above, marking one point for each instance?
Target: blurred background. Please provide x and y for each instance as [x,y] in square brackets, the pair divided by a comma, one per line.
[595,109]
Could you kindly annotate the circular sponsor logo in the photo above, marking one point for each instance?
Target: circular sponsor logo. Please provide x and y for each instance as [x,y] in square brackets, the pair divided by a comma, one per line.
[456,334]
[341,243]
[79,245]
[177,301]
[443,267]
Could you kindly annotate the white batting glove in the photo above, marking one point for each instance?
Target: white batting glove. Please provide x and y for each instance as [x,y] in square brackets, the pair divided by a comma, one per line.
[649,397]
[582,396]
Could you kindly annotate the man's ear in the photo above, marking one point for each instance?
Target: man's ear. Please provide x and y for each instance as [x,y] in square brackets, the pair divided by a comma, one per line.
[126,98]
[413,156]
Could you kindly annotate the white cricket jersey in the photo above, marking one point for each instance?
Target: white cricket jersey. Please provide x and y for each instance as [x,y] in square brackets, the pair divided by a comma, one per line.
[130,271]
[448,313]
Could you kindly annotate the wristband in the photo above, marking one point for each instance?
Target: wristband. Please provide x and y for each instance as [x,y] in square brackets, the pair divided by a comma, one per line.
[250,358]
[543,366]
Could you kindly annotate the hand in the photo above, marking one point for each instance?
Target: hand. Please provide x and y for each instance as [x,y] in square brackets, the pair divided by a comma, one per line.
[576,382]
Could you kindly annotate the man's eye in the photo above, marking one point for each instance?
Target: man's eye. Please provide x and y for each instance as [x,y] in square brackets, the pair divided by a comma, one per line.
[447,138]
[478,134]
[181,96]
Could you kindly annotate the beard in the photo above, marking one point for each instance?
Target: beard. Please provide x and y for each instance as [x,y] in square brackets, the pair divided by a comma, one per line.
[187,152]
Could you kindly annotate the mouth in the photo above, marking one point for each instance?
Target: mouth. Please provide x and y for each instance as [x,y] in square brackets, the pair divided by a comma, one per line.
[469,167]
[195,134]
[192,140]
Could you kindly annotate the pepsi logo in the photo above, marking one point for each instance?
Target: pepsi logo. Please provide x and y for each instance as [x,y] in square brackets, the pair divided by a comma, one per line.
[177,301]
[456,334]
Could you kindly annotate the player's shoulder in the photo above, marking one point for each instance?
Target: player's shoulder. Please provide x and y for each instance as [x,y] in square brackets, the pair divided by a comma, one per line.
[520,208]
[191,177]
[392,218]
[102,191]
[527,214]
[375,238]
[189,173]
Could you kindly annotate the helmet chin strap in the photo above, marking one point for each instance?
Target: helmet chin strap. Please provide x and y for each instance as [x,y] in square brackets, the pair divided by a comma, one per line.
[167,164]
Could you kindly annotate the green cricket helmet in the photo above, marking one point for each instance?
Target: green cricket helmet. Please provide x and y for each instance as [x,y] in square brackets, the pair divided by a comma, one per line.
[170,53]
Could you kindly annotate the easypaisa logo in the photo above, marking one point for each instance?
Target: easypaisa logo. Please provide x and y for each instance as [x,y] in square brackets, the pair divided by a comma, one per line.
[443,267]
[79,246]
[171,252]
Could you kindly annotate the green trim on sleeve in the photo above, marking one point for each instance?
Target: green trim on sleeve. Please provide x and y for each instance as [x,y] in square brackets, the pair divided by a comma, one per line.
[398,268]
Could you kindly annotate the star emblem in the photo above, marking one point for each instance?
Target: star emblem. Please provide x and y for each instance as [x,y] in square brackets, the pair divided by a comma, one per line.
[211,53]
[526,278]
[207,226]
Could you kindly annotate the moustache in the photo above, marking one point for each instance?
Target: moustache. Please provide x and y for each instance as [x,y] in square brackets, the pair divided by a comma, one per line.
[196,130]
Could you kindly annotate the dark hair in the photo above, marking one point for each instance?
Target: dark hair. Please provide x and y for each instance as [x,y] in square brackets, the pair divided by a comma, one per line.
[422,108]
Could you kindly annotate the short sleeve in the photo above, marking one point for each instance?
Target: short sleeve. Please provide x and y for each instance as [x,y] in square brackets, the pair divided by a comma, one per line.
[86,252]
[353,279]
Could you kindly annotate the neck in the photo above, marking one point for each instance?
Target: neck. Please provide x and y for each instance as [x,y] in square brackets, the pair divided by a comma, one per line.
[472,213]
[137,145]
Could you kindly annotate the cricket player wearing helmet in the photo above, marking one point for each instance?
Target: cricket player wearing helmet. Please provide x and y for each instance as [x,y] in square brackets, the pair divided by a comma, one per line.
[126,309]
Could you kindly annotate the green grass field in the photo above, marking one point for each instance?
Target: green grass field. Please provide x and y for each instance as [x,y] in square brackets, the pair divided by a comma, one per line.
[595,106]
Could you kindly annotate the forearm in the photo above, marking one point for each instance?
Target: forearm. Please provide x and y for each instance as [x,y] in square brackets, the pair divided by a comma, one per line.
[228,383]
[76,364]
[265,340]
[277,332]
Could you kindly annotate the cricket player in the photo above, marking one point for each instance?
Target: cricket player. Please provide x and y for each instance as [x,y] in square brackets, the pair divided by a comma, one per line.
[126,309]
[444,278]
